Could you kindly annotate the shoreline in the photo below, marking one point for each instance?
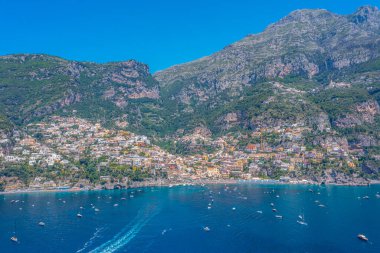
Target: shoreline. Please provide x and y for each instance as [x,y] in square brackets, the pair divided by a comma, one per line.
[137,185]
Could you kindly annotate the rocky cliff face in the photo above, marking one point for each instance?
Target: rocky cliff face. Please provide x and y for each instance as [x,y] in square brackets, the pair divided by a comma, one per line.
[305,43]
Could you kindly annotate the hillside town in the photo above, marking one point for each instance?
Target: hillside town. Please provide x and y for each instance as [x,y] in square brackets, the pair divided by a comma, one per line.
[72,153]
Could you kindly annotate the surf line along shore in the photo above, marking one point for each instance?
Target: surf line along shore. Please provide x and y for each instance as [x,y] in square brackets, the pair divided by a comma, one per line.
[185,183]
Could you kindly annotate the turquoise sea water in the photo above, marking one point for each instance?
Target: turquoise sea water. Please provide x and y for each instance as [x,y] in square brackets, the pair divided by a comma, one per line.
[173,220]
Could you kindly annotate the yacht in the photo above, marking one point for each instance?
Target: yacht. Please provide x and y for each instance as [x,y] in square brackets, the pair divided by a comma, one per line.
[362,237]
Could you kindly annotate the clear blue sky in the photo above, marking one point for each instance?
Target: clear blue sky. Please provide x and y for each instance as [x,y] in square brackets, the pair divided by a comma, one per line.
[160,33]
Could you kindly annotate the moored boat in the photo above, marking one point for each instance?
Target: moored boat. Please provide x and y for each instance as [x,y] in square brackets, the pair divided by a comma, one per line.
[362,237]
[302,222]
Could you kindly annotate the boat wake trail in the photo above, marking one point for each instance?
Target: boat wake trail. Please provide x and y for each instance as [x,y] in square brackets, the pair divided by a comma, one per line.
[89,243]
[128,233]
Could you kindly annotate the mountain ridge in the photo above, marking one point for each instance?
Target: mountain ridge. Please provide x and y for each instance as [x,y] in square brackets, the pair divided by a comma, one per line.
[312,70]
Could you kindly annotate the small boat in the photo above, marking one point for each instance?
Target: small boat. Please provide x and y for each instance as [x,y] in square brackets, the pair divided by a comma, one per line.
[96,210]
[115,205]
[321,205]
[271,204]
[207,229]
[42,224]
[302,222]
[79,215]
[233,208]
[362,237]
[274,210]
[259,212]
[278,216]
[378,195]
[209,207]
[14,237]
[366,197]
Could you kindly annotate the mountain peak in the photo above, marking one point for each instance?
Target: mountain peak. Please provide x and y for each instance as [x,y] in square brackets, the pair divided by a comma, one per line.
[367,10]
[303,15]
[367,15]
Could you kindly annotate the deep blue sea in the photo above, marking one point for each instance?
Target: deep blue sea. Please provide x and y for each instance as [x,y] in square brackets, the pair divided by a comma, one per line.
[174,220]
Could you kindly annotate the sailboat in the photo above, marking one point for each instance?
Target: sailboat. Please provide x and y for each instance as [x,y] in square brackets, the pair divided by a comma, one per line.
[14,237]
